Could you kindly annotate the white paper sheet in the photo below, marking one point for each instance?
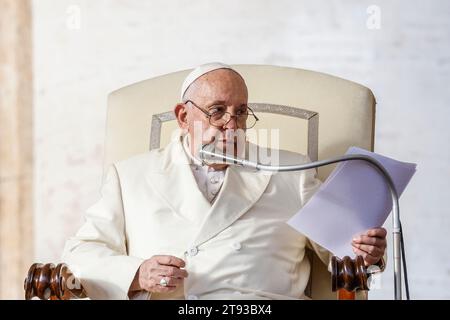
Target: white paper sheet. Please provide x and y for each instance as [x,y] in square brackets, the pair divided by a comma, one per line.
[354,198]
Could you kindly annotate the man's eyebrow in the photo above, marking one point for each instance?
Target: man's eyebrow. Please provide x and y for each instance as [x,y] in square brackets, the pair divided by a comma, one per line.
[217,102]
[222,103]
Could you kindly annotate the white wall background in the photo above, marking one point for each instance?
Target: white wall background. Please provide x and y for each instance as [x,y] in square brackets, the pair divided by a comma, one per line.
[116,42]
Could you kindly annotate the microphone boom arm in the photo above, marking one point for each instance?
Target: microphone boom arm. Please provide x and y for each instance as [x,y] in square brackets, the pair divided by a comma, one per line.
[396,230]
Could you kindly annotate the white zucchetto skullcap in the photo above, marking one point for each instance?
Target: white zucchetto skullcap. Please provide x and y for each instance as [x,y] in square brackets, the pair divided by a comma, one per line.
[201,70]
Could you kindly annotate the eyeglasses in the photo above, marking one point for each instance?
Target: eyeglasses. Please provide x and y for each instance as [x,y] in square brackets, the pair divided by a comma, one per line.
[218,117]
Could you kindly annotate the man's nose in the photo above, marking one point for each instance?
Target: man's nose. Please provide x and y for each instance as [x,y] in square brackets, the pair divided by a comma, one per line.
[232,124]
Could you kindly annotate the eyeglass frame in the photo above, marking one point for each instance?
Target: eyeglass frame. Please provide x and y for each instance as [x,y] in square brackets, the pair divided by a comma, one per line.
[209,115]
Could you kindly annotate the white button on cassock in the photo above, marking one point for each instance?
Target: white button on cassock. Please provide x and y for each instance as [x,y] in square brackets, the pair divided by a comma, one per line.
[193,251]
[236,246]
[214,180]
[192,297]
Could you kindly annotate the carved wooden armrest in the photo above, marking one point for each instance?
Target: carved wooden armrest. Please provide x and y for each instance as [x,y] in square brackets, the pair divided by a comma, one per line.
[348,276]
[46,281]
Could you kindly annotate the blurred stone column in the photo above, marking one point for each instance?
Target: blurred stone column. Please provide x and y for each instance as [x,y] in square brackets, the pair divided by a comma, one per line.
[16,145]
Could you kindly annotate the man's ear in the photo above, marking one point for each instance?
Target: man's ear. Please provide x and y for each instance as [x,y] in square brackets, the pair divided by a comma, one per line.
[181,115]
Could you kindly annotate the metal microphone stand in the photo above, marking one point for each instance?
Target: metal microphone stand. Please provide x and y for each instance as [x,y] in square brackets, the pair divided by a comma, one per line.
[396,232]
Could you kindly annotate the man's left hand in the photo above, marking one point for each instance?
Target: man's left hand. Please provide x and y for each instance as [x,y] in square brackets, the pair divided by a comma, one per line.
[371,245]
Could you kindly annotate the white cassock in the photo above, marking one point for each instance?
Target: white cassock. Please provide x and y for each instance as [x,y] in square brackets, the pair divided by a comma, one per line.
[236,246]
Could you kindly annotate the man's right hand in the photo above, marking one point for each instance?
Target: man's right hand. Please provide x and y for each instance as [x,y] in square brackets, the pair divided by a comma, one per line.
[151,272]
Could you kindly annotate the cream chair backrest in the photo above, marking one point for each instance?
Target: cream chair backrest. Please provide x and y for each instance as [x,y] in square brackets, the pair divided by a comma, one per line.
[316,114]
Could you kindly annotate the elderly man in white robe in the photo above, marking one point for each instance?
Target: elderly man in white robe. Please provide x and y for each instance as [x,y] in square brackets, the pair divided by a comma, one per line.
[169,226]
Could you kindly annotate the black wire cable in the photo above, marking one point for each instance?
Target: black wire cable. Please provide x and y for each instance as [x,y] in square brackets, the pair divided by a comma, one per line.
[405,271]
